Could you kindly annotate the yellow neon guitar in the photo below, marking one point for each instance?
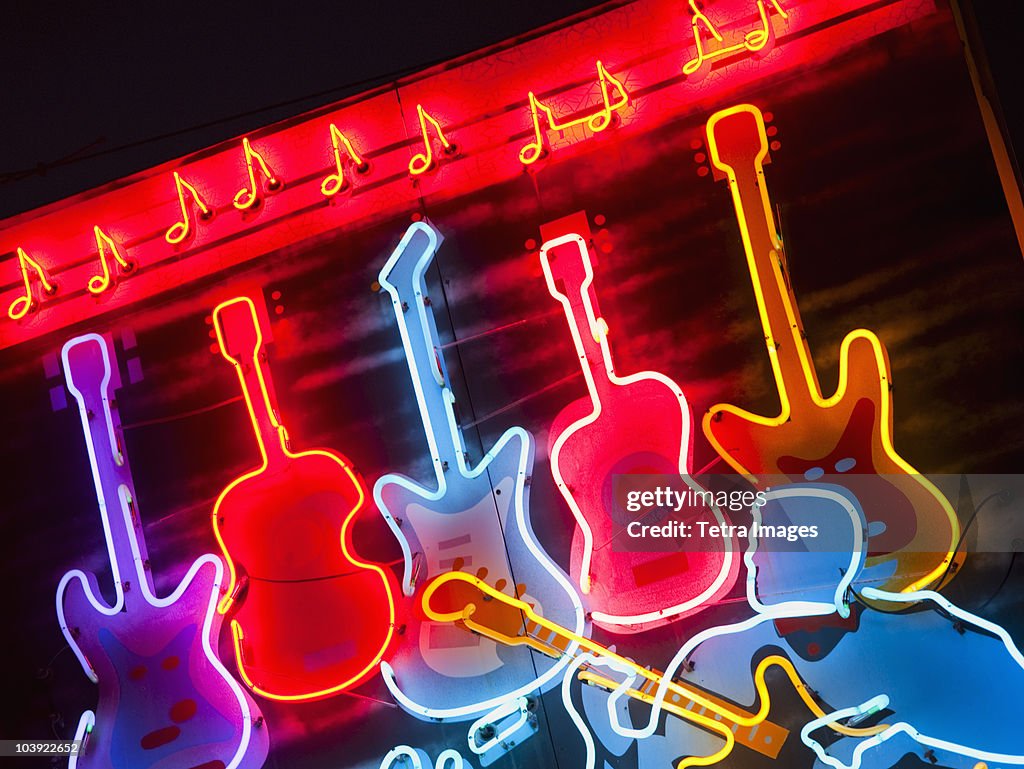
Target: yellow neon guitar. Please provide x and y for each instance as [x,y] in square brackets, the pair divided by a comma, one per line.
[910,521]
[477,607]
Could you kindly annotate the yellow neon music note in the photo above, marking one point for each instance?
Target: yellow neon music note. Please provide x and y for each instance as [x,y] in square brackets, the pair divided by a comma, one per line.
[104,243]
[753,41]
[179,231]
[247,197]
[336,182]
[19,307]
[422,162]
[596,122]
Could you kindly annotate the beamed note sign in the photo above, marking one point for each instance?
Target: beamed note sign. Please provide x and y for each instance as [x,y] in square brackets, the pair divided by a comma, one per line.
[434,135]
[639,392]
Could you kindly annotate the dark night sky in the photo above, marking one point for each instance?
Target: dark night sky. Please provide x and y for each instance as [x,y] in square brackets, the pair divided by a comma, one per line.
[82,79]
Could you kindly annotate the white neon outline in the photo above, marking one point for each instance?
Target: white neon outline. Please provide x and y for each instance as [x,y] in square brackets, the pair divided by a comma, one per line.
[86,722]
[599,329]
[142,579]
[449,756]
[519,704]
[764,613]
[578,721]
[434,239]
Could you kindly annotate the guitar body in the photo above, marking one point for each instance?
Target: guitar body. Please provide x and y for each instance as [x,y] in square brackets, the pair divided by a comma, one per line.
[912,528]
[847,434]
[474,518]
[165,700]
[479,525]
[310,618]
[639,431]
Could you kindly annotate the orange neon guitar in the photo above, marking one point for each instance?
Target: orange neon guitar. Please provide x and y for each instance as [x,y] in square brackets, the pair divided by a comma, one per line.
[311,618]
[910,522]
[477,607]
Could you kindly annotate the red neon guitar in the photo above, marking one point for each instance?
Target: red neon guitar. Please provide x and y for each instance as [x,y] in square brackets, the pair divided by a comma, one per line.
[910,522]
[312,619]
[639,424]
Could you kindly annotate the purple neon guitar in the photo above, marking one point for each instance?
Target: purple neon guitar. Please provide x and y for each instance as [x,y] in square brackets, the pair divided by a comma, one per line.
[165,700]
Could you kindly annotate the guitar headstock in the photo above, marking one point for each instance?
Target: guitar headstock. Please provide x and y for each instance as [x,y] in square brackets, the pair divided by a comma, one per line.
[238,329]
[737,138]
[402,270]
[87,368]
[567,265]
[466,599]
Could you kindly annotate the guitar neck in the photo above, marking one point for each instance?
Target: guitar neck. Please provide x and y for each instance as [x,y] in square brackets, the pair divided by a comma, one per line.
[240,338]
[729,137]
[404,278]
[570,276]
[680,699]
[89,373]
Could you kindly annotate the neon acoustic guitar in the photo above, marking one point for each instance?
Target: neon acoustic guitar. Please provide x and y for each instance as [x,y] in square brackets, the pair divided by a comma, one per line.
[311,619]
[850,432]
[165,700]
[638,424]
[472,515]
[476,607]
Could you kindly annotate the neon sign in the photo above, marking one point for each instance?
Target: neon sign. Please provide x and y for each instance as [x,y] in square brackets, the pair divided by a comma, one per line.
[424,161]
[344,154]
[756,41]
[249,196]
[140,207]
[105,245]
[302,600]
[20,307]
[634,424]
[182,229]
[164,696]
[853,427]
[596,122]
[473,515]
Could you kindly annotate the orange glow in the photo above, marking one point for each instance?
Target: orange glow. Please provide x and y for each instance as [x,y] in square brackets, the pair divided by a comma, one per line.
[596,122]
[337,182]
[422,162]
[810,425]
[104,244]
[753,41]
[20,307]
[179,231]
[283,451]
[247,197]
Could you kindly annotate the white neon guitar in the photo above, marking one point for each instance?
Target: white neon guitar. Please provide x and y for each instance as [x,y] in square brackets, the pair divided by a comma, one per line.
[472,516]
[165,699]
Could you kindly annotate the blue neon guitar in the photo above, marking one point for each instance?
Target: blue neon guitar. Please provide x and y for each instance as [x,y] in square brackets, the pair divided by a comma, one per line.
[473,518]
[165,700]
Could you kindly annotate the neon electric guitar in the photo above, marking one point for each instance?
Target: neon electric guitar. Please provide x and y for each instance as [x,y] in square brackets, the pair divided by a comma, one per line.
[910,521]
[165,700]
[638,424]
[476,516]
[474,606]
[311,619]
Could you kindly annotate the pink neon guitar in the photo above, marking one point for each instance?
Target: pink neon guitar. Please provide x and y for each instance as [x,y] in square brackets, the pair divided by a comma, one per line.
[312,619]
[165,700]
[639,424]
[911,524]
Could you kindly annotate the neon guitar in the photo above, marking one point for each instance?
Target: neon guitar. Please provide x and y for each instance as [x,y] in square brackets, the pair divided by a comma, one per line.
[639,424]
[851,431]
[471,515]
[311,619]
[165,700]
[475,606]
